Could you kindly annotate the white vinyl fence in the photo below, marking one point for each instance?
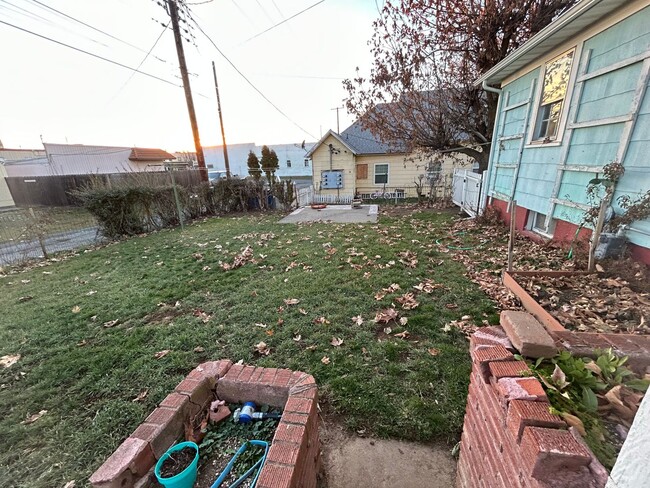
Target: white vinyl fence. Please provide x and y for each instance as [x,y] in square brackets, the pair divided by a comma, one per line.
[466,190]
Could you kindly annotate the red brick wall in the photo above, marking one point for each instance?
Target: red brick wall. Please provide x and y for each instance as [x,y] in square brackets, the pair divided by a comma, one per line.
[509,437]
[564,231]
[294,456]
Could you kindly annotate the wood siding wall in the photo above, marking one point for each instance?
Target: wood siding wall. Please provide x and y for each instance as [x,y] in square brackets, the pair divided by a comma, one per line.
[539,173]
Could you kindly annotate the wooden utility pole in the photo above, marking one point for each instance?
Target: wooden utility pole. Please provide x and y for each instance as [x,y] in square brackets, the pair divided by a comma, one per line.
[337,119]
[172,6]
[223,134]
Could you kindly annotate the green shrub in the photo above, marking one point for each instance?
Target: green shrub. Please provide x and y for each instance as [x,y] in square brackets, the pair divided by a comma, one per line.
[140,203]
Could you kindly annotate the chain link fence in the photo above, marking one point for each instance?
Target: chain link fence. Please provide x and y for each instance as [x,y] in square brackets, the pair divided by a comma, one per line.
[38,232]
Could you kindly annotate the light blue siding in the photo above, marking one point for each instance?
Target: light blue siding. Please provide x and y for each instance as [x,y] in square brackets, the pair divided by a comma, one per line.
[605,96]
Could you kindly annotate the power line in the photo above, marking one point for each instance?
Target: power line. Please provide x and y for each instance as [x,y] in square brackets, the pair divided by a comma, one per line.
[142,62]
[90,54]
[249,81]
[282,22]
[43,5]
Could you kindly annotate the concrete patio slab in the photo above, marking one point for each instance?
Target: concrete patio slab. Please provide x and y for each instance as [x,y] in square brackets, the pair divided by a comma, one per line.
[342,214]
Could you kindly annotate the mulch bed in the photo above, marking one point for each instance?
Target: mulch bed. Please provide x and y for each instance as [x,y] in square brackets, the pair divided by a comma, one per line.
[589,303]
[615,300]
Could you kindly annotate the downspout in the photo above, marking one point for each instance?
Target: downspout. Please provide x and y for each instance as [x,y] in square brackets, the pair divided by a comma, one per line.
[485,182]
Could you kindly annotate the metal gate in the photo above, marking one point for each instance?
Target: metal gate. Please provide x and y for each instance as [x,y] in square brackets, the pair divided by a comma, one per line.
[466,190]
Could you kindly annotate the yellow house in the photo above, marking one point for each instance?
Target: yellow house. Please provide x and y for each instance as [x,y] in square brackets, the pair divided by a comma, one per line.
[355,164]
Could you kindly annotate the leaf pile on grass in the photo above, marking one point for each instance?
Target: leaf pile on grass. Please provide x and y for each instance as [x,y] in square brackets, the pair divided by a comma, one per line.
[165,298]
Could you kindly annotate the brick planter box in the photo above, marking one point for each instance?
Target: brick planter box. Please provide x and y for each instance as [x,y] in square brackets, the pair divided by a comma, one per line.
[509,437]
[294,455]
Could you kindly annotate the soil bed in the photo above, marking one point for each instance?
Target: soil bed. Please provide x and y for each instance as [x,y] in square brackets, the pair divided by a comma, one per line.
[592,303]
[222,442]
[177,462]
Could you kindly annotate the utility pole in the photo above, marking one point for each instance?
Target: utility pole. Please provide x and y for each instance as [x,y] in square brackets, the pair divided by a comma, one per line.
[172,6]
[337,119]
[223,134]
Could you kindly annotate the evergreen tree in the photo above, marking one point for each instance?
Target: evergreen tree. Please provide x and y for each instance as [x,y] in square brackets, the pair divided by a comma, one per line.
[254,165]
[269,162]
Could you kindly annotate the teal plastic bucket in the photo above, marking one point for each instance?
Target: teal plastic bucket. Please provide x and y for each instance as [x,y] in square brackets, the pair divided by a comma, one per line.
[187,477]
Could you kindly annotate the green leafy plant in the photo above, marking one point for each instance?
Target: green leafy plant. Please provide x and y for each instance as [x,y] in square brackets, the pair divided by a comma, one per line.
[574,385]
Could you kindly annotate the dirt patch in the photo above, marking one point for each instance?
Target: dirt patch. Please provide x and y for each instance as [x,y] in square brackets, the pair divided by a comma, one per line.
[177,462]
[162,316]
[592,303]
[350,460]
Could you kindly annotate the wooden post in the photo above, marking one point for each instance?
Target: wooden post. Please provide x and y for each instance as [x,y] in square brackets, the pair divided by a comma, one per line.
[39,232]
[172,7]
[511,240]
[595,236]
[223,134]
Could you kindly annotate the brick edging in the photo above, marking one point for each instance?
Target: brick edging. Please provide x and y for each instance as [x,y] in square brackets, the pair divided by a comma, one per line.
[294,455]
[510,439]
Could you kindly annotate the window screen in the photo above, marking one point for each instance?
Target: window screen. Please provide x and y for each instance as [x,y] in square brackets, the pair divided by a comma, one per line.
[381,174]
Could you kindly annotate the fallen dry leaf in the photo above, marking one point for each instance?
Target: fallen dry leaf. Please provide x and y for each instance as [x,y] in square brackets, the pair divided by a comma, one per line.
[358,320]
[297,338]
[386,315]
[433,351]
[199,349]
[403,321]
[111,323]
[70,484]
[269,332]
[387,330]
[76,309]
[325,360]
[302,311]
[162,354]
[321,320]
[91,293]
[9,360]
[33,418]
[403,335]
[407,301]
[260,324]
[141,396]
[25,299]
[291,301]
[336,341]
[262,348]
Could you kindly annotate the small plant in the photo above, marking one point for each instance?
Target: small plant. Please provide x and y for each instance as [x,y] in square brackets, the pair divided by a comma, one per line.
[577,388]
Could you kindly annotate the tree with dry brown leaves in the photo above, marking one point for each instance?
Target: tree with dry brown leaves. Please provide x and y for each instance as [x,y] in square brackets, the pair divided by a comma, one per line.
[427,54]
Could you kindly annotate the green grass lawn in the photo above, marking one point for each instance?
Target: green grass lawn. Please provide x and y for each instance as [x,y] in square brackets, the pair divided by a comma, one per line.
[169,292]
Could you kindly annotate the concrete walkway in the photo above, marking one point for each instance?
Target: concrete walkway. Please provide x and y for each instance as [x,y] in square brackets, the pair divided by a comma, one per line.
[342,214]
[355,462]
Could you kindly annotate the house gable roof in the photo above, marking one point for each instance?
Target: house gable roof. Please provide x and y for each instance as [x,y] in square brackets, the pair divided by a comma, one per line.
[149,154]
[566,26]
[324,138]
[359,141]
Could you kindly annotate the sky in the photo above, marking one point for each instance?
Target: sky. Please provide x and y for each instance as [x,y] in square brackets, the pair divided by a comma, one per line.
[52,93]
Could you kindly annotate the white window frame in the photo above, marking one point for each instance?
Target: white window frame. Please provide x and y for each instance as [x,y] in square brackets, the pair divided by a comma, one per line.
[530,224]
[532,123]
[374,174]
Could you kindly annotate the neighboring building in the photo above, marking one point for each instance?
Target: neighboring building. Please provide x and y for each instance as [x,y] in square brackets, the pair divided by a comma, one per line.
[77,159]
[361,165]
[8,155]
[6,200]
[574,98]
[292,159]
